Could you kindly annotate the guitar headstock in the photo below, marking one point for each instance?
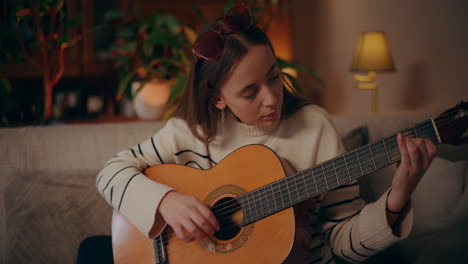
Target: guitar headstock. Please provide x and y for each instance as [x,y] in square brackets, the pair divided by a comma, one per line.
[453,125]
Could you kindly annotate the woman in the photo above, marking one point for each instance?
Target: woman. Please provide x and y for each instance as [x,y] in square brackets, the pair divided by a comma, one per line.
[236,96]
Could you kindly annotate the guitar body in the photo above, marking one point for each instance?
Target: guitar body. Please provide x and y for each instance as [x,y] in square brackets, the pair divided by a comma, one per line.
[268,240]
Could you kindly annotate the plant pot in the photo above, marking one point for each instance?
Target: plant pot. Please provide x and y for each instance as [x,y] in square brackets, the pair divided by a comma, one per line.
[151,101]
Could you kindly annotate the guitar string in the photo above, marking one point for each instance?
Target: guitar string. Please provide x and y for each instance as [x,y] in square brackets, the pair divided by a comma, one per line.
[322,185]
[393,152]
[429,125]
[376,149]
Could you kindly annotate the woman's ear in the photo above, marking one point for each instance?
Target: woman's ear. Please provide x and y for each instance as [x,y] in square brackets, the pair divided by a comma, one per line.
[219,102]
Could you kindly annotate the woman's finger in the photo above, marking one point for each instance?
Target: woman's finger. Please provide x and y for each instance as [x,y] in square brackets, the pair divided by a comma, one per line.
[208,215]
[202,223]
[405,161]
[193,230]
[414,156]
[179,231]
[419,142]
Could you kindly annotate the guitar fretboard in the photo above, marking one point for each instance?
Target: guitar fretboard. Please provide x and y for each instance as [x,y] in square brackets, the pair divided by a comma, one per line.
[284,193]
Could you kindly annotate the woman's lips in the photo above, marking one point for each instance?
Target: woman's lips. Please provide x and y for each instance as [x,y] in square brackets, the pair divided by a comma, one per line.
[270,116]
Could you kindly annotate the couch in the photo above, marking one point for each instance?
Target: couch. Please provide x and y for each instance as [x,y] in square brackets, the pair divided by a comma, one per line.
[49,202]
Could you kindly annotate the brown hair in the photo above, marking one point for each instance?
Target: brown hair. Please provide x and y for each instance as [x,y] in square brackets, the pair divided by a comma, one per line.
[207,77]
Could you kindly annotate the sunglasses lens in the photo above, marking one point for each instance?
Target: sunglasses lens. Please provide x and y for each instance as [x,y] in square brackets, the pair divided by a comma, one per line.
[237,18]
[209,45]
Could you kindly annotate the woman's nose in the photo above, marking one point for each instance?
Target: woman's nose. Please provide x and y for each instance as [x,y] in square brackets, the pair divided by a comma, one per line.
[271,96]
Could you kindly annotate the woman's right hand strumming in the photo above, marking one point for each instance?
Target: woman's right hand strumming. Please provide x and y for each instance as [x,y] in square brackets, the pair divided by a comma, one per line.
[189,217]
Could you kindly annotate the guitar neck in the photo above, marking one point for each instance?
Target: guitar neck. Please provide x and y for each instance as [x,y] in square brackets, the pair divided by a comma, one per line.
[279,195]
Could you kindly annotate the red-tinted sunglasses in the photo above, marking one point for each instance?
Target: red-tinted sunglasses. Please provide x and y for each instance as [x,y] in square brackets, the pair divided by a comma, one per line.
[209,46]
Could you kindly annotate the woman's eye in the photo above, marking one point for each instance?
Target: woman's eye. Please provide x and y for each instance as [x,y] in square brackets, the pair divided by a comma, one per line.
[251,95]
[274,78]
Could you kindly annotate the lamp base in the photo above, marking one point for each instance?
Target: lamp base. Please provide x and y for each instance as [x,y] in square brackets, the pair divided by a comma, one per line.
[368,82]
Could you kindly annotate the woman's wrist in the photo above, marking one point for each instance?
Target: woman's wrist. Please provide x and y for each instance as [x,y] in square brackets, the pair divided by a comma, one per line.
[396,202]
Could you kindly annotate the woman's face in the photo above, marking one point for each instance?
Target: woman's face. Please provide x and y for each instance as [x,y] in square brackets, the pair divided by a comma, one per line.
[254,90]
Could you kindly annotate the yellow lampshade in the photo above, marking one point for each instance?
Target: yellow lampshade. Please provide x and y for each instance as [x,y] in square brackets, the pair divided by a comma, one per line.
[372,53]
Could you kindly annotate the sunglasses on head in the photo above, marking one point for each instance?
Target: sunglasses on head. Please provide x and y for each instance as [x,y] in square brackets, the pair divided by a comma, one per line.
[210,44]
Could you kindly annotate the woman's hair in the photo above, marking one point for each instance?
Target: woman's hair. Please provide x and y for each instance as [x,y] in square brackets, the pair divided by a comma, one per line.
[207,76]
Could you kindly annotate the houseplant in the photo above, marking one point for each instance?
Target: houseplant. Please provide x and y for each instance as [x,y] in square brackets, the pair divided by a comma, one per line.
[158,49]
[152,60]
[43,34]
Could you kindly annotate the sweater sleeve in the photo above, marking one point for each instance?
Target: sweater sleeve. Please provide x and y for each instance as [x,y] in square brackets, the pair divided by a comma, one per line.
[355,231]
[123,185]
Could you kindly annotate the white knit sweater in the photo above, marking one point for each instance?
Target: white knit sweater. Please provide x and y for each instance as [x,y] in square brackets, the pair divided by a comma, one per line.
[340,222]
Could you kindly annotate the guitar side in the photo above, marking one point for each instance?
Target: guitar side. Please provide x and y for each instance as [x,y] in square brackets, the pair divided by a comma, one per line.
[266,241]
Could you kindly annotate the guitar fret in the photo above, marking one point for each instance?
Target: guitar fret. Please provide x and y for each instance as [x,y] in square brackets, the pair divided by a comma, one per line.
[415,132]
[297,189]
[359,162]
[280,195]
[267,199]
[305,184]
[340,170]
[372,156]
[336,174]
[258,201]
[315,181]
[273,197]
[386,150]
[324,176]
[287,188]
[253,207]
[346,164]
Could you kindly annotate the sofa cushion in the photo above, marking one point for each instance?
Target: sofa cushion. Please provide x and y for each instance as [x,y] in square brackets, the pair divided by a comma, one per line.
[48,214]
[440,203]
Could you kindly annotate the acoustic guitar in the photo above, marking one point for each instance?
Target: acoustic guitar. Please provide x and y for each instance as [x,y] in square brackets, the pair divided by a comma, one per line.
[253,200]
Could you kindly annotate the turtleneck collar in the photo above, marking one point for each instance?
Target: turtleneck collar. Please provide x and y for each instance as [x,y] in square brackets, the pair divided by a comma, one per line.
[233,123]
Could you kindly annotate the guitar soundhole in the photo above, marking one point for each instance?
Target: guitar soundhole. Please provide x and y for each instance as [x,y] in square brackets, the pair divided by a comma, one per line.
[229,214]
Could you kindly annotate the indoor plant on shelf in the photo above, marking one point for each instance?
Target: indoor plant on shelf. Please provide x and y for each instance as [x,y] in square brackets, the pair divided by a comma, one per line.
[152,59]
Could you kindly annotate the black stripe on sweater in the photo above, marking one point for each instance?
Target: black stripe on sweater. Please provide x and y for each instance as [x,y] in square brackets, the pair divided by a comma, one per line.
[111,193]
[156,151]
[342,253]
[351,244]
[139,149]
[125,190]
[133,152]
[316,247]
[192,161]
[316,260]
[102,174]
[341,219]
[198,154]
[114,177]
[368,248]
[341,202]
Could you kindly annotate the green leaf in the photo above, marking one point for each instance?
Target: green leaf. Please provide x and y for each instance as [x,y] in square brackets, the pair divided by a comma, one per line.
[113,14]
[124,83]
[309,71]
[168,21]
[125,32]
[74,21]
[228,5]
[147,49]
[130,46]
[293,82]
[177,88]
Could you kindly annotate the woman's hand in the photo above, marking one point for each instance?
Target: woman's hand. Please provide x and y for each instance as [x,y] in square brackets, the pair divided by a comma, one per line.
[190,218]
[416,156]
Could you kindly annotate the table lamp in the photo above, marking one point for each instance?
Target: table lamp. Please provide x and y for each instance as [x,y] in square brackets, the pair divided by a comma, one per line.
[372,54]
